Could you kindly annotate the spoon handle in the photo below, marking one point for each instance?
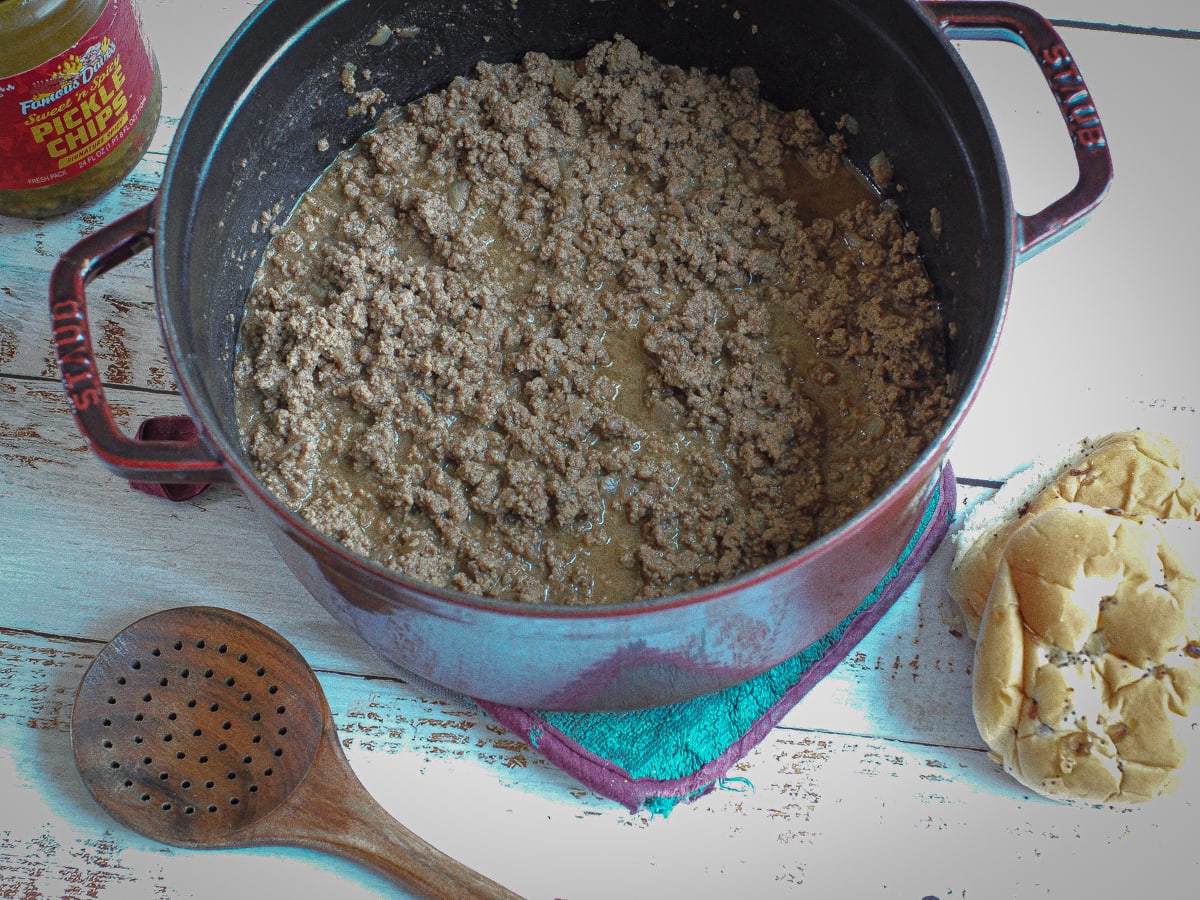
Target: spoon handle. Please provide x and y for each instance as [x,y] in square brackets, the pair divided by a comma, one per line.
[331,811]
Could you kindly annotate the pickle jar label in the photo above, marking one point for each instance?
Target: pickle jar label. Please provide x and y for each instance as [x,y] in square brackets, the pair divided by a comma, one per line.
[72,111]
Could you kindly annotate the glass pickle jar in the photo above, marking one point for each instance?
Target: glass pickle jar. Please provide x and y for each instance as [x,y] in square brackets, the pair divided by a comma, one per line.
[79,100]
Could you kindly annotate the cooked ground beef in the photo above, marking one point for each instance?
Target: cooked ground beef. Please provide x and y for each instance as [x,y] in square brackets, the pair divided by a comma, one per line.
[590,331]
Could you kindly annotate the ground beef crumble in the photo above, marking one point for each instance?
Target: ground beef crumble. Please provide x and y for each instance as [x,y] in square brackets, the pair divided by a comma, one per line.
[588,332]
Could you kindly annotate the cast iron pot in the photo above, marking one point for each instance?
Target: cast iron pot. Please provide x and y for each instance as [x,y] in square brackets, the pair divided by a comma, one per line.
[247,142]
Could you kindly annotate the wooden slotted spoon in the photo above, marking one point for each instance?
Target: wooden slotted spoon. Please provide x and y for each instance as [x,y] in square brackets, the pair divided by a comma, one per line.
[200,727]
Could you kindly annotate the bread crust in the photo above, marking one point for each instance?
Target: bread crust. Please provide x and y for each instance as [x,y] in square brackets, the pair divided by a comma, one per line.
[1087,666]
[1138,473]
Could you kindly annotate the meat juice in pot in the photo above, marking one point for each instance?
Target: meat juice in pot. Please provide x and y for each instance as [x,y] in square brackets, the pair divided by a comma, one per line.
[577,332]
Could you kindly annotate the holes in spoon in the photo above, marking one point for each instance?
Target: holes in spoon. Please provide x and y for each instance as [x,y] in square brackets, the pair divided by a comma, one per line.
[210,701]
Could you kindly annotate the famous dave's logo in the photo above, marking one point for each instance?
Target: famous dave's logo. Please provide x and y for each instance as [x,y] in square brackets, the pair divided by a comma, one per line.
[74,72]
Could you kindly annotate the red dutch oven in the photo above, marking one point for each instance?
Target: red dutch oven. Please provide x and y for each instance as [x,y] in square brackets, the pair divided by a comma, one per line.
[246,144]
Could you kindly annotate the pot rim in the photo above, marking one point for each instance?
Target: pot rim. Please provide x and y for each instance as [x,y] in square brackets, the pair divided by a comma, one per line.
[926,466]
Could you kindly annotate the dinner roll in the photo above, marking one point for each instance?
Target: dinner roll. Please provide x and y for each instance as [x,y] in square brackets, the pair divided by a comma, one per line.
[1140,473]
[1087,666]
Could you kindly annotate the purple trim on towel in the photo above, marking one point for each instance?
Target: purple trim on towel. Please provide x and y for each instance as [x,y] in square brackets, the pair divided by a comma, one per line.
[608,779]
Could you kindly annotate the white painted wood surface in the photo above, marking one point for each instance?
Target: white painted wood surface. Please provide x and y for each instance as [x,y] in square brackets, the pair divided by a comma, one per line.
[875,785]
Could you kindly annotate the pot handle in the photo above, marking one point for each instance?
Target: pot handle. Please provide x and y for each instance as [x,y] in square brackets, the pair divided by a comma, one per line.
[164,461]
[974,20]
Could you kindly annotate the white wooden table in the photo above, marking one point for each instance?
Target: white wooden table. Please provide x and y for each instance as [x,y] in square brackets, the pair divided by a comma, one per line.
[875,785]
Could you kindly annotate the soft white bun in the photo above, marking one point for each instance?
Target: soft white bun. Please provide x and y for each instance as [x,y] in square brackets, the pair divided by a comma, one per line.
[1087,666]
[1139,473]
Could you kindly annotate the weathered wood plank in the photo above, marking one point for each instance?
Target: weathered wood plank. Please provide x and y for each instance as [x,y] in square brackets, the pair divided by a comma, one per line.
[808,806]
[1167,15]
[121,304]
[1099,334]
[79,542]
